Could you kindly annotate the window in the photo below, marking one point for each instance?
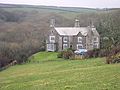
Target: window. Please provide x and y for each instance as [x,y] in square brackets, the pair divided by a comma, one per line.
[95,39]
[52,39]
[95,45]
[51,31]
[65,46]
[65,39]
[50,47]
[80,39]
[79,46]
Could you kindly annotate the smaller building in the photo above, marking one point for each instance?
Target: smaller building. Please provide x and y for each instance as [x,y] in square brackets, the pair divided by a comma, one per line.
[60,38]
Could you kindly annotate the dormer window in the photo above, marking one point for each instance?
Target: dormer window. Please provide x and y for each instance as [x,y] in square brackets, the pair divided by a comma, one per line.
[65,39]
[80,39]
[52,39]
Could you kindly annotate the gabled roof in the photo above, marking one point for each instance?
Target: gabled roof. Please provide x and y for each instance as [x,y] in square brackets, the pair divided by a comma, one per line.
[71,31]
[95,32]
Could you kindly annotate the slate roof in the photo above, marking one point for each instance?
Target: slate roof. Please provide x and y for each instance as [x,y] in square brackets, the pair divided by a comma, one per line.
[73,31]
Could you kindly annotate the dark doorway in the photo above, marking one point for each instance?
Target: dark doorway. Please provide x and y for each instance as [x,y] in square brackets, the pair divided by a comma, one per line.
[70,46]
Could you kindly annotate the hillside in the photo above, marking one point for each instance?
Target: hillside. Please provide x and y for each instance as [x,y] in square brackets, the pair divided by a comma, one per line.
[53,74]
[49,8]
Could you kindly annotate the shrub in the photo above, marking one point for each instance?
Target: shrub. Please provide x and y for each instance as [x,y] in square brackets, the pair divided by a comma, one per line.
[100,53]
[114,50]
[103,52]
[89,54]
[113,59]
[113,56]
[66,54]
[92,53]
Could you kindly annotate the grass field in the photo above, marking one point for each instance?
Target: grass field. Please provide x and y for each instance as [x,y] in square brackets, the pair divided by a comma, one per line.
[52,73]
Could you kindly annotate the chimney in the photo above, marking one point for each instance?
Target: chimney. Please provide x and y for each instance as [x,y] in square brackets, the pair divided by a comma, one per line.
[52,23]
[91,24]
[77,23]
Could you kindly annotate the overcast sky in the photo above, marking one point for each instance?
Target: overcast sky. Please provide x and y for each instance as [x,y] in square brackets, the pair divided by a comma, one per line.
[69,3]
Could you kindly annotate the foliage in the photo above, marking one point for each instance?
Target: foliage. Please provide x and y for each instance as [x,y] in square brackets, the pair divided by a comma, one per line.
[92,53]
[103,52]
[11,16]
[113,59]
[114,55]
[66,54]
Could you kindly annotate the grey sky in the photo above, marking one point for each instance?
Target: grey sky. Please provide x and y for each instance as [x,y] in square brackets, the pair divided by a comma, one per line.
[69,3]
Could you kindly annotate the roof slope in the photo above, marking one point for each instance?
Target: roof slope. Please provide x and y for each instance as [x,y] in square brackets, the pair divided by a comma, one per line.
[95,32]
[71,31]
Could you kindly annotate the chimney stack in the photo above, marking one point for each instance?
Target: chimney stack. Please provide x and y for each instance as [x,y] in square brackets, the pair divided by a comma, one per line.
[77,23]
[91,24]
[52,22]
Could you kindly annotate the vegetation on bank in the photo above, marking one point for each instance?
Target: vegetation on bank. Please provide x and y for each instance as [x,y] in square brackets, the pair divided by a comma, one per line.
[112,54]
[54,74]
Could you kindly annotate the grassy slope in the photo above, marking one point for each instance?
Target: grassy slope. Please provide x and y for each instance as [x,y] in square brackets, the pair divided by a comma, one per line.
[45,56]
[92,74]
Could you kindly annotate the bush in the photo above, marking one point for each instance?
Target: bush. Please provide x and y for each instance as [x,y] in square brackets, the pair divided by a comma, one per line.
[67,54]
[92,53]
[114,51]
[103,52]
[113,56]
[113,59]
[100,53]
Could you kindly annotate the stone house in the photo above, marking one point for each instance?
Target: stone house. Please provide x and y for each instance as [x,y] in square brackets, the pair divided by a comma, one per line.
[60,38]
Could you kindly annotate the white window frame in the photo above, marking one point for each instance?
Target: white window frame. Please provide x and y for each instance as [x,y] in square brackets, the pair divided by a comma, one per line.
[52,41]
[65,39]
[50,47]
[95,44]
[65,46]
[79,45]
[80,39]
